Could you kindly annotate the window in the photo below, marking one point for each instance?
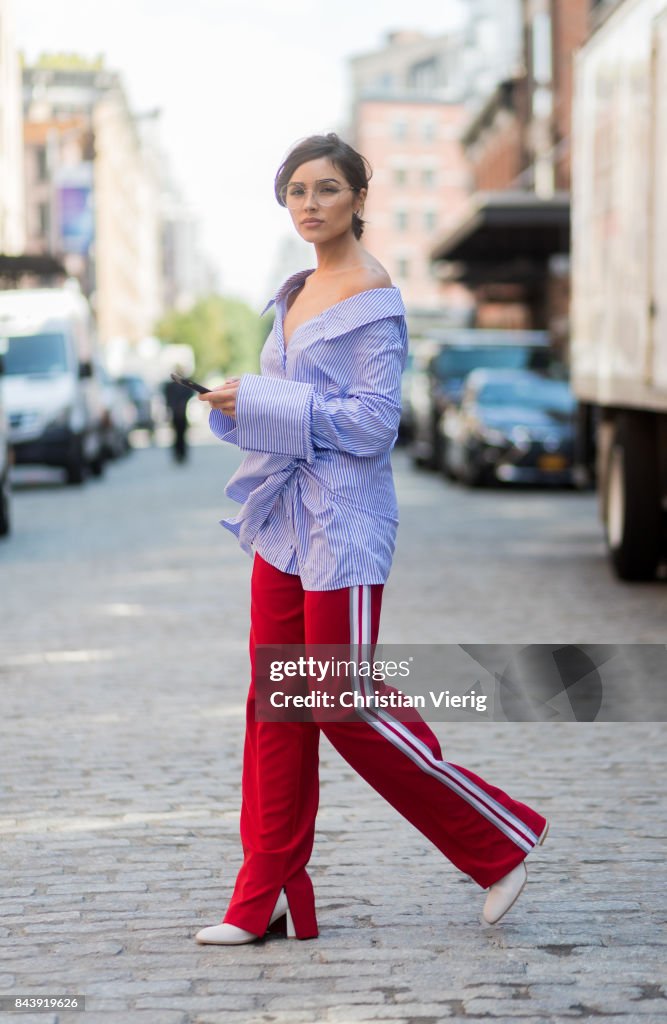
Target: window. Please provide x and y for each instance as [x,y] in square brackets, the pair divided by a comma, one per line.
[401,220]
[400,176]
[44,220]
[384,83]
[42,164]
[428,177]
[554,395]
[403,269]
[400,129]
[43,354]
[423,76]
[430,220]
[542,69]
[428,131]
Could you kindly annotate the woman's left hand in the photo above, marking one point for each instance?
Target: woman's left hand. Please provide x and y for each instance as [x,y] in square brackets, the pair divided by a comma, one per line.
[223,397]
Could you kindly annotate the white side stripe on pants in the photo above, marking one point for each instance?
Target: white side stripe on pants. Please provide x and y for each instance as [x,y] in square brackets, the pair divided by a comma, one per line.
[402,738]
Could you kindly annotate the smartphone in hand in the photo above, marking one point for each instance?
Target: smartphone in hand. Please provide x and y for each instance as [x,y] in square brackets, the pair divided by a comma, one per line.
[187,383]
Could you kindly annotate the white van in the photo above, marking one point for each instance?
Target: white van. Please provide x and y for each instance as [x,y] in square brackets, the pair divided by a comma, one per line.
[51,394]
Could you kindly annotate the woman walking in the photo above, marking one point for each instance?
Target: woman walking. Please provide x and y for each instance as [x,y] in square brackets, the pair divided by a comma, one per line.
[319,519]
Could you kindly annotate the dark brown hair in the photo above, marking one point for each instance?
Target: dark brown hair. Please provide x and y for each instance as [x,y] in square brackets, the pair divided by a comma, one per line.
[355,168]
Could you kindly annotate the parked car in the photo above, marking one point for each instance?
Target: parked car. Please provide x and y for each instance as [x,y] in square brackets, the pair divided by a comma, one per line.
[119,415]
[405,426]
[454,354]
[415,397]
[511,425]
[52,395]
[5,459]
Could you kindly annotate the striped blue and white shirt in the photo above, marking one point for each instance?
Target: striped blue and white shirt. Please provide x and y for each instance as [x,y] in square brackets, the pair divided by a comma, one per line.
[319,424]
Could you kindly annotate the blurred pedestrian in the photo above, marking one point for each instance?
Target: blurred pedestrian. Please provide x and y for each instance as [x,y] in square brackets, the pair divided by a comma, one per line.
[176,398]
[319,519]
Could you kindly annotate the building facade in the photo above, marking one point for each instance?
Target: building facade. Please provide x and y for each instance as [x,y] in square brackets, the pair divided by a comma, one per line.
[495,140]
[492,48]
[12,230]
[406,116]
[410,101]
[418,189]
[92,194]
[511,246]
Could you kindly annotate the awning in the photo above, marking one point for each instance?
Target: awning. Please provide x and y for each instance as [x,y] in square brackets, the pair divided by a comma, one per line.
[501,229]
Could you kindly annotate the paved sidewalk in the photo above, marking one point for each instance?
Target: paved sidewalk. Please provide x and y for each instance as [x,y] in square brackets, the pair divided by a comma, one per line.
[123,667]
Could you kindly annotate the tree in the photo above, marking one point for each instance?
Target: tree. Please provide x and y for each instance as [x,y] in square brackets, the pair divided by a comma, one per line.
[225,334]
[70,62]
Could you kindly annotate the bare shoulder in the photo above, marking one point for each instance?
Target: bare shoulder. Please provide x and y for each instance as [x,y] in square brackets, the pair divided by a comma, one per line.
[372,275]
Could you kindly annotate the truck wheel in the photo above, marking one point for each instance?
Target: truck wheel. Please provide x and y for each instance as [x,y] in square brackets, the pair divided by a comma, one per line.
[5,521]
[632,500]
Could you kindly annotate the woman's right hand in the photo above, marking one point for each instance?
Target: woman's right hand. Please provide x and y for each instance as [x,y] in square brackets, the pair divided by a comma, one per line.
[224,396]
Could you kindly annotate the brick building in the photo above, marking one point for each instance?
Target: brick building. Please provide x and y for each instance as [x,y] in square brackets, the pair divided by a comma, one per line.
[511,245]
[569,21]
[495,140]
[418,189]
[410,101]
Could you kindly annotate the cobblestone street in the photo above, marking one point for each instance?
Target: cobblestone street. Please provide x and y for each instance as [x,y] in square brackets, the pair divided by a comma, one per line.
[123,660]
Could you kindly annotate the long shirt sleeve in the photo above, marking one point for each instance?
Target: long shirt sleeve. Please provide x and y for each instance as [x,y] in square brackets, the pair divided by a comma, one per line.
[363,420]
[289,417]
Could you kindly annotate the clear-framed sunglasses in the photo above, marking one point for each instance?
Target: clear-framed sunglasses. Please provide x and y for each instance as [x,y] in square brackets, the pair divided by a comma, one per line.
[325,193]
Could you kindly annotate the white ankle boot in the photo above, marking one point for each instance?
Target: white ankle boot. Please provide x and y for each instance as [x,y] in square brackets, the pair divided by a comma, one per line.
[230,935]
[504,893]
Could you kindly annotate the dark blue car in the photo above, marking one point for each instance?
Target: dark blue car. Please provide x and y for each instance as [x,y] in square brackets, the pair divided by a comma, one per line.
[513,426]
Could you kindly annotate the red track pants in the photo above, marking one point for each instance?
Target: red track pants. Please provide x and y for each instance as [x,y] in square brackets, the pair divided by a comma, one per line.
[477,826]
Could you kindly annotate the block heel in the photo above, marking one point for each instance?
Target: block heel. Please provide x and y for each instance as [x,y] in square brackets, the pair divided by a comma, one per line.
[230,935]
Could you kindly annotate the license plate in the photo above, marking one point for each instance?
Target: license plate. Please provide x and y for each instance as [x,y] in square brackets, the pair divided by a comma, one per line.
[552,462]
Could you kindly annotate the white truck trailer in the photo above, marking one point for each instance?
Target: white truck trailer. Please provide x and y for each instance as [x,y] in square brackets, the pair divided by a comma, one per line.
[619,278]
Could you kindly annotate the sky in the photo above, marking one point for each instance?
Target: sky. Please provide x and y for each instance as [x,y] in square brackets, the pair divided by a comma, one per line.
[237,82]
